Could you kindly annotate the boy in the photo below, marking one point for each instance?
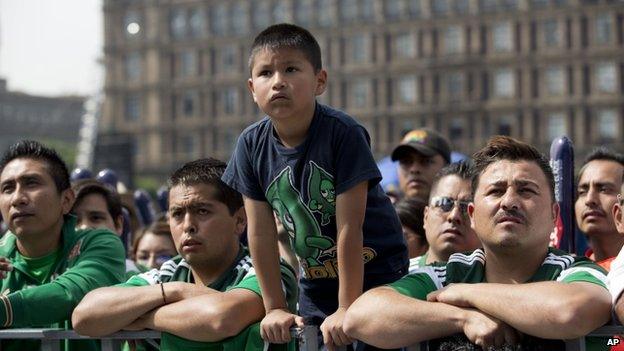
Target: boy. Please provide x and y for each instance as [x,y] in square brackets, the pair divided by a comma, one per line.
[313,166]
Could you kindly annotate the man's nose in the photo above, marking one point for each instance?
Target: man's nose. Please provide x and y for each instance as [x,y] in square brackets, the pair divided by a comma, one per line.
[510,199]
[591,197]
[19,197]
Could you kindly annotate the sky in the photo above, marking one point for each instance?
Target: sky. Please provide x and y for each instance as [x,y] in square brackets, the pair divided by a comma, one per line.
[51,47]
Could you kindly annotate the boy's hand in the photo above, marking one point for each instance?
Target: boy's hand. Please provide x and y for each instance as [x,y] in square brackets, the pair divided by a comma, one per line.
[275,327]
[333,334]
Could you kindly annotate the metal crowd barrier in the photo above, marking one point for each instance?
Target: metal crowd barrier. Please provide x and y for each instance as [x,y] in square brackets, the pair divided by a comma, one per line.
[51,337]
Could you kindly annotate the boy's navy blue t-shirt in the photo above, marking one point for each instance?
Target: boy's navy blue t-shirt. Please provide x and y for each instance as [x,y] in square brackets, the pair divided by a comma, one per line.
[301,185]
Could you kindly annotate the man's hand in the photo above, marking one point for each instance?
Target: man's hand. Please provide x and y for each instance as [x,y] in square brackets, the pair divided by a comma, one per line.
[275,327]
[333,334]
[487,331]
[453,294]
[5,266]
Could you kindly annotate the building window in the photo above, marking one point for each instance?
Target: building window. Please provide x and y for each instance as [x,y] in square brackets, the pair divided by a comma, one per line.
[178,23]
[188,63]
[505,125]
[228,58]
[132,24]
[261,15]
[392,9]
[607,124]
[453,40]
[360,94]
[368,10]
[280,12]
[552,36]
[502,36]
[197,23]
[440,7]
[404,46]
[457,128]
[359,48]
[230,100]
[348,10]
[461,6]
[219,19]
[603,28]
[133,66]
[189,103]
[539,4]
[504,83]
[406,87]
[509,4]
[486,6]
[324,13]
[455,85]
[239,19]
[556,125]
[554,80]
[605,77]
[303,10]
[132,108]
[414,7]
[188,145]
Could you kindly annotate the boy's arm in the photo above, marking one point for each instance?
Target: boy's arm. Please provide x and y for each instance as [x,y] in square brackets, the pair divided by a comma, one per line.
[107,310]
[386,318]
[206,318]
[569,309]
[262,234]
[350,210]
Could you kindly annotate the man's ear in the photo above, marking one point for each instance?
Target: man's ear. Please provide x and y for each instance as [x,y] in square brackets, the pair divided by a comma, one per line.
[240,217]
[555,212]
[119,222]
[68,197]
[471,208]
[250,86]
[618,217]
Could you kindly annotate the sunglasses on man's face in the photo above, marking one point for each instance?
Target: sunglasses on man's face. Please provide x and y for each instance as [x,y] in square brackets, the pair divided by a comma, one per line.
[446,204]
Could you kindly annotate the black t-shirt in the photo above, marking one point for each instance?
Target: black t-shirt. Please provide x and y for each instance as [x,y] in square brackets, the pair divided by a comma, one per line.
[301,185]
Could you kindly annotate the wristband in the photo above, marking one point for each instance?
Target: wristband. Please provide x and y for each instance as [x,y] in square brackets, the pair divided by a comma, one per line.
[162,291]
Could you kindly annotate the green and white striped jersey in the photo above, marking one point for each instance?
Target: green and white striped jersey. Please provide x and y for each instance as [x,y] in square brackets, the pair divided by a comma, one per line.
[241,275]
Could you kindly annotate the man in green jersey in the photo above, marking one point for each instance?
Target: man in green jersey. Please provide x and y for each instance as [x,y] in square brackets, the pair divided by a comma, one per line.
[46,265]
[527,294]
[207,297]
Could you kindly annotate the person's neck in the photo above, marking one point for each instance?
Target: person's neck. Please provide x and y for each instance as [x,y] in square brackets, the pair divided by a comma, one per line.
[514,265]
[41,244]
[207,273]
[605,245]
[433,256]
[293,131]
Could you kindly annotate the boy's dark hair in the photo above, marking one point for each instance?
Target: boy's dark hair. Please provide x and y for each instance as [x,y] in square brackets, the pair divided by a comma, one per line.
[601,154]
[288,36]
[35,150]
[85,187]
[463,169]
[207,171]
[411,212]
[501,148]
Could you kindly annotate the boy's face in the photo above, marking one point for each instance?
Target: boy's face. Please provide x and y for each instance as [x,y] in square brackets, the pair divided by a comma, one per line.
[283,83]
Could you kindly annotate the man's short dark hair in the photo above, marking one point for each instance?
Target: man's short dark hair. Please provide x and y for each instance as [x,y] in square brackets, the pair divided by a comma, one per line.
[501,148]
[411,212]
[35,150]
[288,36]
[462,169]
[602,154]
[207,171]
[85,187]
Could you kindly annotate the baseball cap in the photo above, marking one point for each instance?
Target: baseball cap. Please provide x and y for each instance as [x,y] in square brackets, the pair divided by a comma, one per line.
[424,141]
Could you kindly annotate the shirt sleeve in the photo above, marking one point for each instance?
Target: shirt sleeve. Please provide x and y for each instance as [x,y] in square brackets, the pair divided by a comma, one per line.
[418,284]
[616,277]
[584,271]
[100,262]
[239,174]
[354,160]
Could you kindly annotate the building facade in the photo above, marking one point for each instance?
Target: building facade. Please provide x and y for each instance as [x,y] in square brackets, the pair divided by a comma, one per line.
[176,70]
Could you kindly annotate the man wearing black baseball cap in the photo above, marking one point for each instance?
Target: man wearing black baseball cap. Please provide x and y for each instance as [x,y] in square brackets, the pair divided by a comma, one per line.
[421,154]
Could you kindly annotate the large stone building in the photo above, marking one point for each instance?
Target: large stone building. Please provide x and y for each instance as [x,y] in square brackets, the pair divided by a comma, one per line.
[176,70]
[53,120]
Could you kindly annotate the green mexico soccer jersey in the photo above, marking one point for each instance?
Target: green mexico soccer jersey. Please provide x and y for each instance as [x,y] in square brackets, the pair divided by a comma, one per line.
[470,268]
[241,275]
[43,292]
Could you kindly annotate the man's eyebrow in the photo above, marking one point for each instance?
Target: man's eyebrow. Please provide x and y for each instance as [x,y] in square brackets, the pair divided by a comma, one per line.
[525,182]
